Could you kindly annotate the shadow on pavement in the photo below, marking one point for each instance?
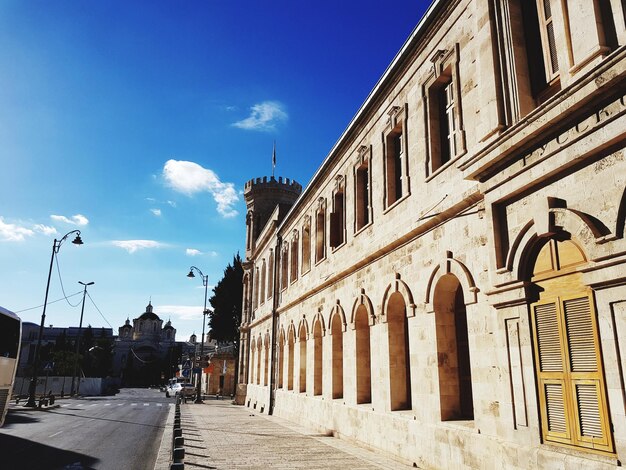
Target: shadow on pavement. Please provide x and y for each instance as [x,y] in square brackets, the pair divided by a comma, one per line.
[15,417]
[18,453]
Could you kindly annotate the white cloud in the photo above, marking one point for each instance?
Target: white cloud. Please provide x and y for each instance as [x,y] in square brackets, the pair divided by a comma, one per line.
[133,245]
[192,252]
[77,219]
[190,178]
[263,117]
[172,203]
[12,232]
[45,229]
[156,212]
[183,312]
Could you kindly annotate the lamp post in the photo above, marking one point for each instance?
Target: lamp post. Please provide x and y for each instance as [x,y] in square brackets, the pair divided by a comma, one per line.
[56,246]
[80,326]
[205,283]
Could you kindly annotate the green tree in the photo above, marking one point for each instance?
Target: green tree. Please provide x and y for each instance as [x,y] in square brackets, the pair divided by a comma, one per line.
[226,302]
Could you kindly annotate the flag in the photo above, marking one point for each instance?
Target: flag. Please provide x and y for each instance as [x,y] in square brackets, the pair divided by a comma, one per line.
[274,158]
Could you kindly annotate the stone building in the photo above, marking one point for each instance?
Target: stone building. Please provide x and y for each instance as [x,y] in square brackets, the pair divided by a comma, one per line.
[450,287]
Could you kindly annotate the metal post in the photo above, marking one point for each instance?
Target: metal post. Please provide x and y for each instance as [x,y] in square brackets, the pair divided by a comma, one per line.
[80,326]
[56,245]
[205,283]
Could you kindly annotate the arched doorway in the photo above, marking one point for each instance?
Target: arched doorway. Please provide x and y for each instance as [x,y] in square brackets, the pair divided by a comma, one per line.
[568,361]
[453,354]
[399,362]
[337,343]
[363,356]
[317,358]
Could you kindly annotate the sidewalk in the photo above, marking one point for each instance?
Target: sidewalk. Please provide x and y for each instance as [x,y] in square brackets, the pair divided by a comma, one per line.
[219,435]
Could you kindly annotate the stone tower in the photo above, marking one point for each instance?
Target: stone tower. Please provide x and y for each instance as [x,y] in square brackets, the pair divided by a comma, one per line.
[267,198]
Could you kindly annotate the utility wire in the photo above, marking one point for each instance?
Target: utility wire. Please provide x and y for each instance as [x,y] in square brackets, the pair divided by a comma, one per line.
[94,304]
[51,302]
[56,259]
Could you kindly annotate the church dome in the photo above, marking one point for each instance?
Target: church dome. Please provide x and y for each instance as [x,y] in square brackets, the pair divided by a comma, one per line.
[168,326]
[149,314]
[127,324]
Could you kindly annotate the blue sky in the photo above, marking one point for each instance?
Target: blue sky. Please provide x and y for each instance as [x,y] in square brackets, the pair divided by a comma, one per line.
[138,123]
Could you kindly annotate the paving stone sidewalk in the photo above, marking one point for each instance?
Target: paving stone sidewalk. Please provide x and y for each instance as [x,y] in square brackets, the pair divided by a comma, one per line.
[220,435]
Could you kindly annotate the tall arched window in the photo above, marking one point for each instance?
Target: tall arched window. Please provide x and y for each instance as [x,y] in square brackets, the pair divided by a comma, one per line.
[294,256]
[306,245]
[568,360]
[256,289]
[337,343]
[455,378]
[302,377]
[252,362]
[284,266]
[318,358]
[263,281]
[259,351]
[266,356]
[290,364]
[270,276]
[399,363]
[363,356]
[281,358]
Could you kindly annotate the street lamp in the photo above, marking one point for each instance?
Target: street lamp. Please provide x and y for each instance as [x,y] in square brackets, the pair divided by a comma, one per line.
[56,246]
[80,326]
[205,283]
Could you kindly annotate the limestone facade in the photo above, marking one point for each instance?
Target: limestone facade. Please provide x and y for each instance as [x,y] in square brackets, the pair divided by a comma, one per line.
[450,287]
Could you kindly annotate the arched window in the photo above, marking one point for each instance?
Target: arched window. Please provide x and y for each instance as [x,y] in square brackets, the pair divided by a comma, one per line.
[302,377]
[252,355]
[337,343]
[263,281]
[266,356]
[290,365]
[363,356]
[455,378]
[318,358]
[320,232]
[256,289]
[294,257]
[270,275]
[281,358]
[568,360]
[399,364]
[284,267]
[259,351]
[306,245]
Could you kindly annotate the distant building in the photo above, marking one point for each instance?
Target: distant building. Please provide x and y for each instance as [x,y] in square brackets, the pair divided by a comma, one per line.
[51,334]
[145,352]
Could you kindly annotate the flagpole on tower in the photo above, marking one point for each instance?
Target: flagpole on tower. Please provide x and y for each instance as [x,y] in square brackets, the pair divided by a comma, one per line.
[273,159]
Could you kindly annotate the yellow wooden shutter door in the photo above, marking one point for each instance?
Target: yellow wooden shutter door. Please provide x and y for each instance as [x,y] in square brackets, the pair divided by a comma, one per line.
[553,396]
[587,384]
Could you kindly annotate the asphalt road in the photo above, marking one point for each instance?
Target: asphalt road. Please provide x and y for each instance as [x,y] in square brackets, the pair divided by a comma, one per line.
[118,432]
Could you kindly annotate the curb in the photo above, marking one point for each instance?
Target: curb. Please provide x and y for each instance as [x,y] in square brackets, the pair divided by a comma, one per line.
[164,456]
[25,408]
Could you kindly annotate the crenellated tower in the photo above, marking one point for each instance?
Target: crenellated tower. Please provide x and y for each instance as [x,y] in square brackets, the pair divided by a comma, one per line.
[263,197]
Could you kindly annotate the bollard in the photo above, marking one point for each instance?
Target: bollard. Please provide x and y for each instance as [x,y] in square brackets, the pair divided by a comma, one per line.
[177,466]
[179,442]
[179,455]
[178,432]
